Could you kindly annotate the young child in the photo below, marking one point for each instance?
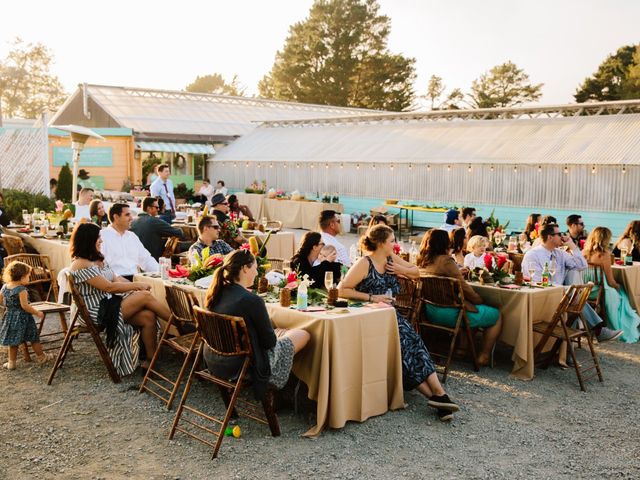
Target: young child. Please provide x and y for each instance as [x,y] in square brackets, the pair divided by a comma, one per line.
[477,246]
[328,253]
[18,325]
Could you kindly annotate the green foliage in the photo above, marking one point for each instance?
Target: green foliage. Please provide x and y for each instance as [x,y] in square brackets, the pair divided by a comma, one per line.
[65,184]
[126,185]
[181,191]
[216,84]
[617,78]
[339,56]
[27,88]
[148,164]
[16,200]
[504,85]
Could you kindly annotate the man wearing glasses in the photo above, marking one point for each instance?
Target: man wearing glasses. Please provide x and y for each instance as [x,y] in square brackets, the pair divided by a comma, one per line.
[576,230]
[151,230]
[330,227]
[228,230]
[208,232]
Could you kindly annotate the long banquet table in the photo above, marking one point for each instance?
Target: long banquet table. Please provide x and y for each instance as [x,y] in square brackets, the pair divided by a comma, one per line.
[629,276]
[297,213]
[352,364]
[56,250]
[253,201]
[520,310]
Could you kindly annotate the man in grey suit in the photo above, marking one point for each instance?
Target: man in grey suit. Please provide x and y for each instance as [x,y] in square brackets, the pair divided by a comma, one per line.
[151,230]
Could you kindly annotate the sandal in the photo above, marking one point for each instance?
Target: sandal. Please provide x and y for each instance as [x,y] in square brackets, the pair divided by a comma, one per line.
[44,358]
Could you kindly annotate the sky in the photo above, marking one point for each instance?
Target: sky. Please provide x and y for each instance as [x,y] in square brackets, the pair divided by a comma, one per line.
[166,44]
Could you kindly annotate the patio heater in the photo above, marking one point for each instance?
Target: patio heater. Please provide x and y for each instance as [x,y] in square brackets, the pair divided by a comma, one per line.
[79,136]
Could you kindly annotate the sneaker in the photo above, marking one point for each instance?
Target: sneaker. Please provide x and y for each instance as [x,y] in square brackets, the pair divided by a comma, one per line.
[606,334]
[445,415]
[9,365]
[443,402]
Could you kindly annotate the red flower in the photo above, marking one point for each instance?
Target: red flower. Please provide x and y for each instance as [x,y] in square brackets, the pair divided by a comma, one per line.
[582,242]
[245,246]
[292,277]
[396,248]
[537,227]
[488,261]
[502,259]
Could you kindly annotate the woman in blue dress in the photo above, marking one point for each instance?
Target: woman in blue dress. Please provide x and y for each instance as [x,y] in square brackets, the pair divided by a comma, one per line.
[616,302]
[370,279]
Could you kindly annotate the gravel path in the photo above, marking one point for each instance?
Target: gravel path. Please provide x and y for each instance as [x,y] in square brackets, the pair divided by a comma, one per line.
[88,428]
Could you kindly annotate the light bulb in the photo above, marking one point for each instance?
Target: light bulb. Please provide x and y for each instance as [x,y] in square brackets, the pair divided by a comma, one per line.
[469,169]
[593,169]
[391,167]
[448,168]
[515,169]
[539,168]
[492,168]
[566,169]
[357,166]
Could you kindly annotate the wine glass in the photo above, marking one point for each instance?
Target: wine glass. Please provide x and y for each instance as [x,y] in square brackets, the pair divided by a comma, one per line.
[328,280]
[531,268]
[25,216]
[498,238]
[553,268]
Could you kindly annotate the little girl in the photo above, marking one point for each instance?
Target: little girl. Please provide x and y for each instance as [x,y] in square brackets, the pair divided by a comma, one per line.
[477,247]
[18,325]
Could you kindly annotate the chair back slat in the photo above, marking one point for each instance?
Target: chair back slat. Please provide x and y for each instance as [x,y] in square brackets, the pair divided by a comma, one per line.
[277,264]
[170,246]
[576,297]
[12,245]
[224,334]
[594,274]
[441,291]
[405,298]
[181,303]
[83,311]
[40,271]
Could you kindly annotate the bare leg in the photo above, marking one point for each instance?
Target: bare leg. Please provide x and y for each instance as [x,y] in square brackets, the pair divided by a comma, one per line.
[431,386]
[300,338]
[13,354]
[138,301]
[25,352]
[146,321]
[489,339]
[37,347]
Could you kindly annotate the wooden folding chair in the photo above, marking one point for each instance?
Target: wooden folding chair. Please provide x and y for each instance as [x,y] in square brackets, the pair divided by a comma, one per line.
[227,336]
[43,277]
[181,303]
[277,264]
[406,299]
[558,327]
[445,292]
[81,323]
[12,245]
[595,274]
[170,247]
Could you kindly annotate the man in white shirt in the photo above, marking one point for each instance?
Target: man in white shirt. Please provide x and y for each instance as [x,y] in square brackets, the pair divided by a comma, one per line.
[330,227]
[550,251]
[122,248]
[163,187]
[220,188]
[82,205]
[451,220]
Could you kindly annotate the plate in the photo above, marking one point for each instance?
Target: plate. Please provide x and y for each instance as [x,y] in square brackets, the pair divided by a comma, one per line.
[36,235]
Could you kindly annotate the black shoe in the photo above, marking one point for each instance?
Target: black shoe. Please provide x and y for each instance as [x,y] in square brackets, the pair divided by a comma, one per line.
[445,415]
[444,402]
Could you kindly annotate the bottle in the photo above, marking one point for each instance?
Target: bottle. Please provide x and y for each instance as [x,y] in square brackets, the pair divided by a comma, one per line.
[413,253]
[546,276]
[301,301]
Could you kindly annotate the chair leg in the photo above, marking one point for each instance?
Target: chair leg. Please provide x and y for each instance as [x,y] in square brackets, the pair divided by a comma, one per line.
[62,353]
[594,357]
[185,394]
[155,356]
[452,346]
[106,358]
[472,345]
[576,366]
[231,407]
[270,413]
[183,369]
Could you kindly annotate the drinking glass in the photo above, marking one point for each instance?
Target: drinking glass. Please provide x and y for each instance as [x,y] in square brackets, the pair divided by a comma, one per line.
[25,216]
[513,243]
[553,267]
[104,224]
[328,280]
[498,238]
[531,269]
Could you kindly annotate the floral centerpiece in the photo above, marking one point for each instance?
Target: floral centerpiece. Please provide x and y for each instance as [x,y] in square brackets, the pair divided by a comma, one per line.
[256,187]
[293,280]
[202,265]
[492,270]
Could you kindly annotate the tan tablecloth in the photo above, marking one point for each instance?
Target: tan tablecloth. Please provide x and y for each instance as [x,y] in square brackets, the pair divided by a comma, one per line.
[253,201]
[56,250]
[520,310]
[297,214]
[352,364]
[630,278]
[281,244]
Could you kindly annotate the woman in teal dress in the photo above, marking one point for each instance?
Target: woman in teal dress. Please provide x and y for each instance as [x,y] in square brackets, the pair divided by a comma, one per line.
[618,310]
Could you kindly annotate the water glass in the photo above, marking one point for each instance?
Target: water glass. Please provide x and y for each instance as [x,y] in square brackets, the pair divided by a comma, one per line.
[165,265]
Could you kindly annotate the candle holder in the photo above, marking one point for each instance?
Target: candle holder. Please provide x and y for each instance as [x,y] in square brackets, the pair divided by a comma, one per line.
[333,297]
[263,285]
[285,297]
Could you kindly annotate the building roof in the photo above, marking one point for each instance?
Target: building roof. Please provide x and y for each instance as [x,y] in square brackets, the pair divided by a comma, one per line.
[166,112]
[612,139]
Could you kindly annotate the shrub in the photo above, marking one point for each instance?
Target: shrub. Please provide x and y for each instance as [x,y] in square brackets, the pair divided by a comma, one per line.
[126,185]
[16,200]
[181,191]
[65,184]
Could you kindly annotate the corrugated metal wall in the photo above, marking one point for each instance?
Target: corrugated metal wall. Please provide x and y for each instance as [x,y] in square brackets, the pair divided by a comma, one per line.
[607,189]
[23,159]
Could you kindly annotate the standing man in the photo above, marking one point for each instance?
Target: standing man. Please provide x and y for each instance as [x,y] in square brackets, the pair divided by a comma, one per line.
[151,230]
[163,187]
[121,248]
[330,227]
[576,229]
[228,230]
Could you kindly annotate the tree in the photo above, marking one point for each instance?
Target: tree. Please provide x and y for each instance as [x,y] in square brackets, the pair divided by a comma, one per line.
[27,88]
[617,78]
[65,184]
[504,85]
[339,56]
[214,83]
[435,89]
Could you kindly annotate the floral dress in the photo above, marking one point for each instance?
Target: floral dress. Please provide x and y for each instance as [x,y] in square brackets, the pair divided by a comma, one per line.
[124,353]
[17,326]
[416,361]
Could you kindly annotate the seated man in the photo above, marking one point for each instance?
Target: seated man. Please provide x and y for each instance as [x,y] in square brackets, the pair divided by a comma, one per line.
[468,214]
[121,248]
[228,229]
[82,205]
[151,230]
[576,229]
[240,211]
[550,250]
[329,228]
[208,232]
[451,220]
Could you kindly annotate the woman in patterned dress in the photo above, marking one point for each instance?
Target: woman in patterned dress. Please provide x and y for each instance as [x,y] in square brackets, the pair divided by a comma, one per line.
[138,310]
[369,279]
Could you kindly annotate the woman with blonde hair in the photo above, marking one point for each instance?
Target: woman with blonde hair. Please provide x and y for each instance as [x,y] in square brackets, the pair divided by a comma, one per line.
[616,302]
[630,241]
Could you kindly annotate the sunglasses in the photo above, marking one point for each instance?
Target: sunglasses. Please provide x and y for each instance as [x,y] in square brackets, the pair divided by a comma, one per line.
[216,227]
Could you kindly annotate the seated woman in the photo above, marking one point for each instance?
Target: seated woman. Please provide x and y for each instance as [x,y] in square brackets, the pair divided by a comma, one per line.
[435,259]
[309,253]
[477,227]
[97,213]
[241,211]
[477,248]
[458,239]
[377,220]
[630,241]
[99,288]
[616,302]
[369,279]
[273,351]
[532,221]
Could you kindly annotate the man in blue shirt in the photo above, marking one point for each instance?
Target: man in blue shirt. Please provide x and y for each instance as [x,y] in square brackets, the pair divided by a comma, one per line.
[208,233]
[163,187]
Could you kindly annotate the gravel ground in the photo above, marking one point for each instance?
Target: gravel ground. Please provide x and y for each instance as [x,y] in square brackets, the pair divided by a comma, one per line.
[85,427]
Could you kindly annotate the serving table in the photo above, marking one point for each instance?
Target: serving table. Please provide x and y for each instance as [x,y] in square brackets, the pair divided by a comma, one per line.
[297,213]
[629,276]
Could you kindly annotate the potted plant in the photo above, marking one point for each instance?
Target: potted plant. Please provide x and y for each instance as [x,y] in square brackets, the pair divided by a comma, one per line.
[182,193]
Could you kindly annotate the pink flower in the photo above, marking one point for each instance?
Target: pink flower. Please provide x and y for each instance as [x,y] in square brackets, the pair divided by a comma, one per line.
[292,277]
[59,205]
[245,246]
[292,285]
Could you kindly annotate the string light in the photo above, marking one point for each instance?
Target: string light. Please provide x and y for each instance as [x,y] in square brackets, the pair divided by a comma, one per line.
[342,165]
[312,165]
[539,168]
[271,165]
[469,169]
[593,169]
[428,168]
[448,168]
[374,166]
[257,165]
[566,169]
[246,165]
[235,164]
[391,167]
[410,167]
[297,165]
[492,168]
[326,165]
[515,169]
[284,165]
[624,169]
[357,166]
